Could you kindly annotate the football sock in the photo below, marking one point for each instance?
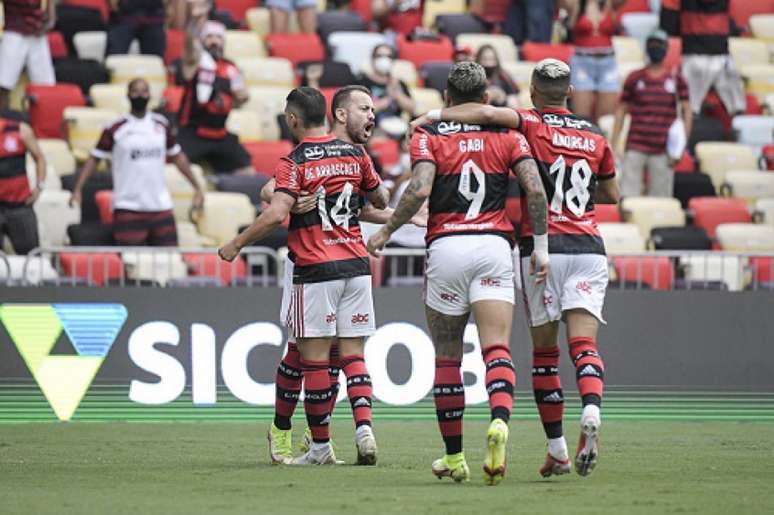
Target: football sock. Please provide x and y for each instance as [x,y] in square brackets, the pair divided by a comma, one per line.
[547,387]
[500,380]
[589,370]
[317,399]
[333,374]
[288,387]
[557,447]
[359,389]
[449,395]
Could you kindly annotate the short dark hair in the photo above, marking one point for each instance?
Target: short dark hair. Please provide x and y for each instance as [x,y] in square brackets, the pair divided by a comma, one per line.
[134,82]
[467,83]
[380,46]
[309,105]
[551,79]
[343,95]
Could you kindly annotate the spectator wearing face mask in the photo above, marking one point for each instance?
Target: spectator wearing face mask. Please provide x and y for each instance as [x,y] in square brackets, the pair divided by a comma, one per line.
[391,95]
[651,96]
[502,90]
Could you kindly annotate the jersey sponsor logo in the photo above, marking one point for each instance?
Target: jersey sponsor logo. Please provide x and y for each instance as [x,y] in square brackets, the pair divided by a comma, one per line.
[450,297]
[530,118]
[490,282]
[447,128]
[523,145]
[342,241]
[468,227]
[562,121]
[330,318]
[574,142]
[145,153]
[361,318]
[548,300]
[583,286]
[314,153]
[423,142]
[496,385]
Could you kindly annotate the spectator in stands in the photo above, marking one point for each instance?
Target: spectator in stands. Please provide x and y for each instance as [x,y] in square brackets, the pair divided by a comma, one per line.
[24,44]
[594,68]
[213,86]
[651,96]
[704,28]
[530,20]
[502,90]
[398,16]
[140,19]
[279,11]
[391,95]
[462,53]
[17,217]
[138,145]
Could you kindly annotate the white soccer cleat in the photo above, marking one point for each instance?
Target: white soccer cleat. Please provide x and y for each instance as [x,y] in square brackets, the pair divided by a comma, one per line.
[588,444]
[555,467]
[366,446]
[321,454]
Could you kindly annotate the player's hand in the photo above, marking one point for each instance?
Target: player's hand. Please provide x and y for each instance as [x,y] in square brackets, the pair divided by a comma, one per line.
[197,204]
[539,266]
[33,197]
[229,251]
[76,198]
[304,203]
[377,241]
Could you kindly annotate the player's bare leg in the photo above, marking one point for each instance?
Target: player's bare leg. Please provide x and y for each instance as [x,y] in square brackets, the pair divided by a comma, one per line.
[494,319]
[549,397]
[448,391]
[582,329]
[360,393]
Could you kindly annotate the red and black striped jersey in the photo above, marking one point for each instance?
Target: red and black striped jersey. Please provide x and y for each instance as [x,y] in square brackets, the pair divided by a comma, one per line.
[572,155]
[471,178]
[14,185]
[326,243]
[23,16]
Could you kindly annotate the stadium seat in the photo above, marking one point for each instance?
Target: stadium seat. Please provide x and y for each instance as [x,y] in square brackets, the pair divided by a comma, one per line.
[354,48]
[329,22]
[386,150]
[435,8]
[223,214]
[54,214]
[267,102]
[520,72]
[420,52]
[503,45]
[742,10]
[754,130]
[435,75]
[640,24]
[259,20]
[154,266]
[686,164]
[188,236]
[242,43]
[710,268]
[760,79]
[110,96]
[762,26]
[680,238]
[536,52]
[175,45]
[296,47]
[58,155]
[84,127]
[628,50]
[401,69]
[513,209]
[656,272]
[426,99]
[210,265]
[746,237]
[650,212]
[101,6]
[709,212]
[249,185]
[96,267]
[452,25]
[104,200]
[748,50]
[717,158]
[267,71]
[266,155]
[764,211]
[91,44]
[245,124]
[748,185]
[176,182]
[46,106]
[607,213]
[762,269]
[621,238]
[236,8]
[56,45]
[124,68]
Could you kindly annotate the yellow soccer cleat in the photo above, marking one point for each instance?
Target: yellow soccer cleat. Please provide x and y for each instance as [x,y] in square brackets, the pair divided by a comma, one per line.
[306,442]
[453,466]
[280,445]
[494,463]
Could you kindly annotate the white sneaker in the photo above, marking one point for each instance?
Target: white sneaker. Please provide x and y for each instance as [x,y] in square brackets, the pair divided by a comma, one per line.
[366,446]
[319,454]
[588,445]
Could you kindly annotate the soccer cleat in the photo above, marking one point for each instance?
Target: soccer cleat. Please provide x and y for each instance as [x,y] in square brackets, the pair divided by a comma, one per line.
[494,463]
[555,467]
[366,446]
[453,466]
[306,441]
[280,446]
[588,445]
[317,455]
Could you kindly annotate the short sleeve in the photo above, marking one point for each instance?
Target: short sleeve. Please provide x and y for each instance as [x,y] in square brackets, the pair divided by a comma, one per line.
[286,177]
[173,148]
[607,165]
[104,148]
[371,179]
[519,148]
[421,147]
[682,88]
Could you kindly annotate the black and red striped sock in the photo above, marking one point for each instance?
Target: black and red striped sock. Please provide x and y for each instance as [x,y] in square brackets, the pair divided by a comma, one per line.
[288,387]
[500,380]
[547,387]
[449,395]
[334,368]
[359,389]
[317,399]
[589,370]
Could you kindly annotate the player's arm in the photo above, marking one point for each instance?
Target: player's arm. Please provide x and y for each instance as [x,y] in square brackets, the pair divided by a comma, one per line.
[537,206]
[417,192]
[264,225]
[373,215]
[607,192]
[379,197]
[304,203]
[472,113]
[184,166]
[31,144]
[620,113]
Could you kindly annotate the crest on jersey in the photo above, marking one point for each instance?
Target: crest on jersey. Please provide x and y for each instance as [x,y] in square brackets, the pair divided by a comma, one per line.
[670,86]
[449,127]
[10,144]
[314,153]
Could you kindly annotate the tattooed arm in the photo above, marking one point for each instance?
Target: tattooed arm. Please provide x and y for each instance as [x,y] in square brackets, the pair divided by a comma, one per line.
[537,206]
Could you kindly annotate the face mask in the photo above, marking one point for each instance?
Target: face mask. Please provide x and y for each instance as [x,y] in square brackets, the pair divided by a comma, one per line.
[215,51]
[383,65]
[490,71]
[656,54]
[139,103]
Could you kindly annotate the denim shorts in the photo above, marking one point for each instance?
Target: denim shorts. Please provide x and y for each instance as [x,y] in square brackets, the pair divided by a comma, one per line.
[595,73]
[290,5]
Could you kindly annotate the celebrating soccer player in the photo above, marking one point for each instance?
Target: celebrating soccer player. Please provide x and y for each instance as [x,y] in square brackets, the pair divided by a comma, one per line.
[463,170]
[578,170]
[331,294]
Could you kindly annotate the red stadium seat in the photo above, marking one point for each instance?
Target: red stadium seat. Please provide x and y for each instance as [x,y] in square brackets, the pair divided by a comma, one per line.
[768,156]
[387,151]
[175,43]
[104,200]
[656,272]
[296,48]
[513,209]
[674,57]
[210,265]
[57,45]
[46,104]
[363,8]
[173,97]
[753,105]
[422,51]
[762,269]
[741,10]
[98,268]
[495,11]
[99,5]
[236,8]
[607,213]
[634,6]
[266,154]
[538,51]
[687,164]
[709,212]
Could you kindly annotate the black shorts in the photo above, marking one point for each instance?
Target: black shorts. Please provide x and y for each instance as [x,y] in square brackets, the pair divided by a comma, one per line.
[225,155]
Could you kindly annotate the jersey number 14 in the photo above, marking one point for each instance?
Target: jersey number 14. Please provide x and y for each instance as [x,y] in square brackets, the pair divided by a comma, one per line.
[341,211]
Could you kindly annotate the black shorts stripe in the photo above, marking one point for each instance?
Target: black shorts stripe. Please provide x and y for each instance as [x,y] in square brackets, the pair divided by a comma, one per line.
[566,244]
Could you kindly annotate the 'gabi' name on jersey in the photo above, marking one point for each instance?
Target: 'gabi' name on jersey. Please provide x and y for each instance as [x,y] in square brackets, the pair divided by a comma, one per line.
[332,170]
[472,145]
[574,142]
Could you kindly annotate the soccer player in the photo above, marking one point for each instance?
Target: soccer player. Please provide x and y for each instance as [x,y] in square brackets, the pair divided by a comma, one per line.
[463,170]
[578,170]
[331,294]
[353,120]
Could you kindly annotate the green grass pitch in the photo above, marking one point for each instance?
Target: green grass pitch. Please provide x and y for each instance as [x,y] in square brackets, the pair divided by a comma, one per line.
[646,467]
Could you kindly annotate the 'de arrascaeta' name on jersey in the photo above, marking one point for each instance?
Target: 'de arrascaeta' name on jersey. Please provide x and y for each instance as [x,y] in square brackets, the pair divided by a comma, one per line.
[332,170]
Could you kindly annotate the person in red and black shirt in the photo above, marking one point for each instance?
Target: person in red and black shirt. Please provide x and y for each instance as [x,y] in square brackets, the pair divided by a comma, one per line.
[463,170]
[213,87]
[651,96]
[578,170]
[331,275]
[17,218]
[141,19]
